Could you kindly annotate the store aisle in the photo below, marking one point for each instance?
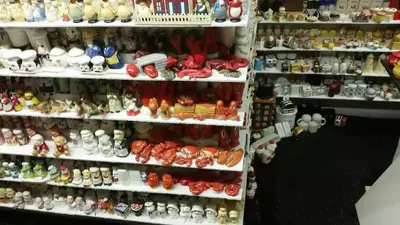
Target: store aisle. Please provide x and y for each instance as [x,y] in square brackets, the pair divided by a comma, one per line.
[318,179]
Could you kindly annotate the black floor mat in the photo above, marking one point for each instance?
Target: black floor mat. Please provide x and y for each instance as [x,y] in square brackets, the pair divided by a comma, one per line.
[319,178]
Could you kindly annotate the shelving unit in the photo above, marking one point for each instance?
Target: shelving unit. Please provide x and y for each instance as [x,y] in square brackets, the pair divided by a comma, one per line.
[78,154]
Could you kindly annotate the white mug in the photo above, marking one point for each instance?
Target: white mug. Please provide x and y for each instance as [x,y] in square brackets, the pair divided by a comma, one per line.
[305,118]
[318,119]
[313,127]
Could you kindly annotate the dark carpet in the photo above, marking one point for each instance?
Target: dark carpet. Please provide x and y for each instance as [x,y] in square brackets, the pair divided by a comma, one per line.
[318,178]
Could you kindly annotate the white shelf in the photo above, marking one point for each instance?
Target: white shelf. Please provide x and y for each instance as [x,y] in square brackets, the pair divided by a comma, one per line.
[278,72]
[140,186]
[79,154]
[71,73]
[349,22]
[342,97]
[64,210]
[122,116]
[335,49]
[118,23]
[178,189]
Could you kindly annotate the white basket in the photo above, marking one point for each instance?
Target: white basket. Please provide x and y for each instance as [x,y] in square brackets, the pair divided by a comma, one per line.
[197,19]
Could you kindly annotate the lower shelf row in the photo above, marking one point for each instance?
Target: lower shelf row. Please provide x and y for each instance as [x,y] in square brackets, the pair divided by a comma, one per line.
[127,206]
[161,180]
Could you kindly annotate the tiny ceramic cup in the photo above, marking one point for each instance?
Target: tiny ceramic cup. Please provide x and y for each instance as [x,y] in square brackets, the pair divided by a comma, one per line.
[305,118]
[312,127]
[98,63]
[304,125]
[317,118]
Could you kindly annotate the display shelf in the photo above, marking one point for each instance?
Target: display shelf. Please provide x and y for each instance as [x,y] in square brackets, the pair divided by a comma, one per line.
[341,97]
[278,72]
[347,22]
[74,74]
[118,23]
[140,186]
[79,154]
[335,49]
[35,180]
[64,210]
[122,116]
[178,189]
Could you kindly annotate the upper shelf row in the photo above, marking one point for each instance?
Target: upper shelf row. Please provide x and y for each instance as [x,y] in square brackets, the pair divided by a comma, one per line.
[62,24]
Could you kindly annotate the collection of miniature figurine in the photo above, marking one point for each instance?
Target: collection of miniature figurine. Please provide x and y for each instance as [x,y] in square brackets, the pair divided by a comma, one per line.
[123,10]
[337,11]
[330,86]
[110,138]
[126,205]
[81,174]
[165,53]
[161,99]
[269,37]
[344,64]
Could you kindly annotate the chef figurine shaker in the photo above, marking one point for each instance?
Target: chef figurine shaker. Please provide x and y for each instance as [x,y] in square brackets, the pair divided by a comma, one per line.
[107,176]
[29,61]
[120,145]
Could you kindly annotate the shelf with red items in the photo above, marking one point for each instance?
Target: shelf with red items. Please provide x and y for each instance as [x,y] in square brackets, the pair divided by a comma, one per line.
[79,154]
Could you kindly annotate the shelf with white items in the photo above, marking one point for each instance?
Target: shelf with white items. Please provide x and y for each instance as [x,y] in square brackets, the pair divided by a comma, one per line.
[335,49]
[122,116]
[346,22]
[140,186]
[74,74]
[118,23]
[278,72]
[79,154]
[341,97]
[63,210]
